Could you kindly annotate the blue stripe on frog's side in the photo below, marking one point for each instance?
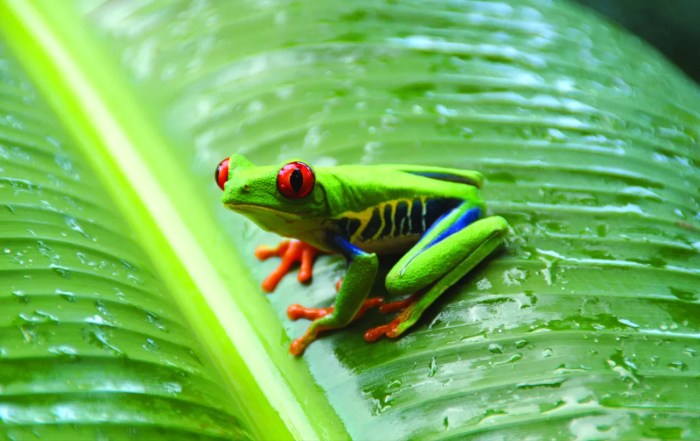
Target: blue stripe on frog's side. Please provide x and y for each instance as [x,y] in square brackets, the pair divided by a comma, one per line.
[388,218]
[346,248]
[465,219]
[400,215]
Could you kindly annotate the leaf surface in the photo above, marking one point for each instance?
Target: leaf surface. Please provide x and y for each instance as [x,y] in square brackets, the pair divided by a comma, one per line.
[583,326]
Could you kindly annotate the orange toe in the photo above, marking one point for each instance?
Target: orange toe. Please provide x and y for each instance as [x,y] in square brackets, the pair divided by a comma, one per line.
[291,252]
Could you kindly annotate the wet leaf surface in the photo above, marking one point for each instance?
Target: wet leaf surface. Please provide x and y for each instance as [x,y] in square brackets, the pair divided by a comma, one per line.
[91,345]
[583,326]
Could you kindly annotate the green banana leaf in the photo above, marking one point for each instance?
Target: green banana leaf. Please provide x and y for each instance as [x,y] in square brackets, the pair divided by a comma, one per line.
[130,298]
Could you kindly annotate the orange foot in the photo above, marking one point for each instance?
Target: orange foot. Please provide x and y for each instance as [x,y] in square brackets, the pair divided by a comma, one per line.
[296,312]
[391,329]
[291,252]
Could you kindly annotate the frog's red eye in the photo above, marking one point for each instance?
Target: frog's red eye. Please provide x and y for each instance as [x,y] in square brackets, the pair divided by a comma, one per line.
[221,173]
[295,180]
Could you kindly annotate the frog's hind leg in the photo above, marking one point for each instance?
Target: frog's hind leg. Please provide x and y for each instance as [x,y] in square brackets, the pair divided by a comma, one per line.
[455,244]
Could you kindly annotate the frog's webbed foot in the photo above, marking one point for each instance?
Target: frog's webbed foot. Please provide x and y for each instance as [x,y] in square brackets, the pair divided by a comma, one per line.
[291,252]
[402,321]
[296,312]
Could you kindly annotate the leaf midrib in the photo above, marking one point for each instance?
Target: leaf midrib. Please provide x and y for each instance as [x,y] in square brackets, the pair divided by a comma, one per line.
[108,124]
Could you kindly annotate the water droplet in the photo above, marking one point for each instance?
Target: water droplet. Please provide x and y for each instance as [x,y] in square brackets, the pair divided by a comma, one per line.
[555,135]
[432,367]
[492,413]
[38,317]
[21,296]
[623,366]
[65,163]
[65,295]
[546,407]
[394,384]
[314,137]
[388,122]
[521,344]
[284,92]
[466,132]
[195,357]
[255,106]
[156,321]
[514,276]
[96,320]
[445,111]
[495,348]
[380,401]
[126,264]
[83,258]
[483,284]
[172,388]
[61,271]
[18,258]
[64,351]
[119,294]
[135,278]
[629,323]
[151,345]
[371,148]
[514,358]
[98,336]
[47,251]
[550,383]
[102,308]
[678,366]
[548,352]
[72,223]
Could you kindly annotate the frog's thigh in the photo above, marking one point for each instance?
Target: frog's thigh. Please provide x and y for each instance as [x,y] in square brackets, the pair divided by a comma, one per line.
[465,248]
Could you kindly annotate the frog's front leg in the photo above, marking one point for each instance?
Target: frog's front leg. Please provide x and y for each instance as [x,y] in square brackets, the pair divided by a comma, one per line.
[291,251]
[362,271]
[447,252]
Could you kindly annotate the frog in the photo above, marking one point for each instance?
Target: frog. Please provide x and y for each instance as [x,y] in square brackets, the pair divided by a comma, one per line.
[432,217]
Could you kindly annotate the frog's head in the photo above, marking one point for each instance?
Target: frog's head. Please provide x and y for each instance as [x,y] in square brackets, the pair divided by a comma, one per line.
[274,197]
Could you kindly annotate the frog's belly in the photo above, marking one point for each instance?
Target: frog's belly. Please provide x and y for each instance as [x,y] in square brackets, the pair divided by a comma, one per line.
[387,245]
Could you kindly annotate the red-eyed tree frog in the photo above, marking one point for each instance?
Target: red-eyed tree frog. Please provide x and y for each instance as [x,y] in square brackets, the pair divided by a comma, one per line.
[435,216]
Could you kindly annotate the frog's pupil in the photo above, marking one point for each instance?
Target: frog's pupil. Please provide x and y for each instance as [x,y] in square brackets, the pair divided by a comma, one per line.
[296,180]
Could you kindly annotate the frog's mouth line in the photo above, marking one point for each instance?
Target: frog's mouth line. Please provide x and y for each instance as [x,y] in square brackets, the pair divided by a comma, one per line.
[249,208]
